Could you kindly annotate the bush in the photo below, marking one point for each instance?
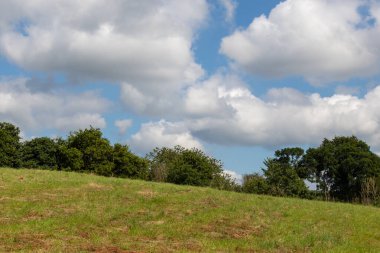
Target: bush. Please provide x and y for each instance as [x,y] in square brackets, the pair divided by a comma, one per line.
[224,181]
[283,180]
[254,183]
[39,153]
[9,145]
[127,164]
[96,151]
[183,166]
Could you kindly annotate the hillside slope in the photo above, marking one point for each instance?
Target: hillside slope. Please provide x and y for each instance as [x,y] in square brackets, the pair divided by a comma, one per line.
[45,211]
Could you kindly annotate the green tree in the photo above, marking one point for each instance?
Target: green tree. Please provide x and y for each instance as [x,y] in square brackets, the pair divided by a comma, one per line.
[68,158]
[341,165]
[294,158]
[39,153]
[127,164]
[9,145]
[96,151]
[255,183]
[184,166]
[225,182]
[283,180]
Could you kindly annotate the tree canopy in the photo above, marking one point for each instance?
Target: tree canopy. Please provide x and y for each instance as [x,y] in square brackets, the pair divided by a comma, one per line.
[184,166]
[340,165]
[9,145]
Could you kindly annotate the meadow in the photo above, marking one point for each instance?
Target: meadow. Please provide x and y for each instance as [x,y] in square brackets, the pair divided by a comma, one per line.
[53,211]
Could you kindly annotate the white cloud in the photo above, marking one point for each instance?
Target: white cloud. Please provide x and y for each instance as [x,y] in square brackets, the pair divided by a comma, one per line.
[147,44]
[322,40]
[222,110]
[123,125]
[347,90]
[36,111]
[229,6]
[163,134]
[289,118]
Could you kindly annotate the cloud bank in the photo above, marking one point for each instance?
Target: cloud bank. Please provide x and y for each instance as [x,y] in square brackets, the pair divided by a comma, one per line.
[322,40]
[37,110]
[233,115]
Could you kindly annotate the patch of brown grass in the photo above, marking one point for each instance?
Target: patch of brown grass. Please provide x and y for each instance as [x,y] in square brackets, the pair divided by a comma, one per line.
[95,186]
[147,193]
[34,242]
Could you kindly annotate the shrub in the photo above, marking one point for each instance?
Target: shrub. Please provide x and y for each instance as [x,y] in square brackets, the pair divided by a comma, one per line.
[183,166]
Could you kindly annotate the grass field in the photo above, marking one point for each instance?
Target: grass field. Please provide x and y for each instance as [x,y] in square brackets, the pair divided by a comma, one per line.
[45,211]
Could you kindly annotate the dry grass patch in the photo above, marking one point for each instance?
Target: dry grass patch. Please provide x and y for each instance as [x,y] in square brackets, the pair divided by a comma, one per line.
[147,193]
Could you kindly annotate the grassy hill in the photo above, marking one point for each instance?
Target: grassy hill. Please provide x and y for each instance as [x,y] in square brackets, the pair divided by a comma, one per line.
[45,211]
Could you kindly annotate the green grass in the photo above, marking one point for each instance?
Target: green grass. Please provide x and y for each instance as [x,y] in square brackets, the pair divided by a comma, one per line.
[45,211]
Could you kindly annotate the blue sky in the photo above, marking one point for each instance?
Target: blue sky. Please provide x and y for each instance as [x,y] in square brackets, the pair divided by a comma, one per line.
[236,78]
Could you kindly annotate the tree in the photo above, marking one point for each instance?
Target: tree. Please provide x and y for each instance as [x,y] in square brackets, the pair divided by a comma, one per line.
[224,181]
[39,153]
[127,164]
[184,166]
[9,145]
[341,165]
[255,183]
[96,151]
[294,158]
[68,158]
[283,180]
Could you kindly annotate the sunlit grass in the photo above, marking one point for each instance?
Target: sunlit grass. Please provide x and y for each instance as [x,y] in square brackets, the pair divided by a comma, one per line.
[45,211]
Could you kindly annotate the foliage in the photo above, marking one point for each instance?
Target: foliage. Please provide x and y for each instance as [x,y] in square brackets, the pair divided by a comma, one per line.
[255,183]
[370,191]
[224,181]
[343,168]
[283,176]
[96,151]
[9,145]
[283,180]
[339,167]
[68,158]
[127,164]
[184,166]
[39,153]
[161,159]
[294,158]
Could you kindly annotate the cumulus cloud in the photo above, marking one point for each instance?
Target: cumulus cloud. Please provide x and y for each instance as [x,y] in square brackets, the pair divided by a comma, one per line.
[146,44]
[123,125]
[322,40]
[37,110]
[287,116]
[223,110]
[163,134]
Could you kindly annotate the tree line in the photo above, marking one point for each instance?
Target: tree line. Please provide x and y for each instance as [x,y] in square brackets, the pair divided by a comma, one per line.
[88,151]
[341,169]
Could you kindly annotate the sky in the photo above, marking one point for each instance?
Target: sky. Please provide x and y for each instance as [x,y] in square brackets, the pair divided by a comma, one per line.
[238,79]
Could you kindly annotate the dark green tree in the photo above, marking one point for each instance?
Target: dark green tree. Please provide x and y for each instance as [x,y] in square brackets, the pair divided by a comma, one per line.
[255,183]
[9,145]
[70,159]
[127,164]
[96,151]
[39,153]
[294,158]
[283,180]
[184,166]
[341,165]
